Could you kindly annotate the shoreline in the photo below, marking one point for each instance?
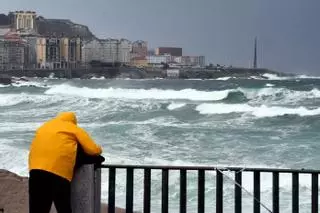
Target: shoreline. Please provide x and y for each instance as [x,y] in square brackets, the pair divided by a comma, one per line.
[136,73]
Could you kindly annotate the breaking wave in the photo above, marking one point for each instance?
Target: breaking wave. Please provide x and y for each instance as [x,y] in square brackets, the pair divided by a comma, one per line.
[174,106]
[138,94]
[238,95]
[259,111]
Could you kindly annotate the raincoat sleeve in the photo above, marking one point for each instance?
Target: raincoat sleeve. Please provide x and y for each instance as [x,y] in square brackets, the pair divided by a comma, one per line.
[88,145]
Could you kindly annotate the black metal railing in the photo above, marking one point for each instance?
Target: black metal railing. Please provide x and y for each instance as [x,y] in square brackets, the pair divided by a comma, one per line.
[201,187]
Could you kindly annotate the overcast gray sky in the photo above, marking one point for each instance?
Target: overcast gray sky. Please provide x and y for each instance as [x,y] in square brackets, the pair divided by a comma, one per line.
[223,30]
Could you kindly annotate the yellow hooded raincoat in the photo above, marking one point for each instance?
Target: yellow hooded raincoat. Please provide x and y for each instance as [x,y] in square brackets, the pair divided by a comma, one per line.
[54,147]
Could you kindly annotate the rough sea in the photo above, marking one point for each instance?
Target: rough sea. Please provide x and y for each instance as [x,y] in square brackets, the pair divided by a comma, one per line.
[252,122]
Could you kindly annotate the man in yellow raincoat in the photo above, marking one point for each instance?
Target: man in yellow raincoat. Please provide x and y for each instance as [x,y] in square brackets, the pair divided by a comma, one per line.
[52,160]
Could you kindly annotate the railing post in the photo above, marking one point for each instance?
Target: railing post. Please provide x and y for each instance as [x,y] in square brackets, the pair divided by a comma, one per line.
[147,191]
[314,194]
[85,190]
[129,191]
[275,192]
[183,191]
[112,190]
[219,192]
[165,190]
[295,192]
[238,192]
[201,193]
[256,192]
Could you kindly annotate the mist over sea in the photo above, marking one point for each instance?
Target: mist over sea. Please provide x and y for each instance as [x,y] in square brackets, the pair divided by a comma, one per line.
[252,122]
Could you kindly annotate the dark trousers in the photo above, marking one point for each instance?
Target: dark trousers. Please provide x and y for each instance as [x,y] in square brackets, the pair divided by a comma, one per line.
[45,188]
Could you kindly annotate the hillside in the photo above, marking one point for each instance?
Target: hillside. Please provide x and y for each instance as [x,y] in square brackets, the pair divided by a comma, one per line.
[62,27]
[4,19]
[56,27]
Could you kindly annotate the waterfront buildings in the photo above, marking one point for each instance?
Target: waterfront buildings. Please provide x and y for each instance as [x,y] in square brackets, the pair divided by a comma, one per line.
[139,49]
[12,51]
[107,51]
[61,52]
[21,46]
[173,51]
[23,20]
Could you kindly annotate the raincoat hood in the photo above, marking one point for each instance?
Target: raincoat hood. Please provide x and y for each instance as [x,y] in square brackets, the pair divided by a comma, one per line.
[67,116]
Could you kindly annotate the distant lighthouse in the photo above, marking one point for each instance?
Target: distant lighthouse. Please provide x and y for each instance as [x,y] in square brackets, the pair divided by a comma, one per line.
[255,54]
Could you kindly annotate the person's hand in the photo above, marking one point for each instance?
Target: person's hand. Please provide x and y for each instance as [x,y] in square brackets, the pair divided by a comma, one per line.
[100,159]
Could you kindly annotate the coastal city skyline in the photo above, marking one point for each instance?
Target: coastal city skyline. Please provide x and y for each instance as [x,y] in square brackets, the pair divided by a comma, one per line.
[30,41]
[207,28]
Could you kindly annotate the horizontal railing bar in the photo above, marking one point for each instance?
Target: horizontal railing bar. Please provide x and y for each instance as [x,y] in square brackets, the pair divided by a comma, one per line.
[243,169]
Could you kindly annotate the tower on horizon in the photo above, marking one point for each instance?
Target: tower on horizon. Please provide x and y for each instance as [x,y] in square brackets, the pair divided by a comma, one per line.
[255,54]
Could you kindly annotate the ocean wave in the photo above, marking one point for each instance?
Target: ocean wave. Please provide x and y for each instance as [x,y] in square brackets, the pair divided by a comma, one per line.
[257,111]
[270,76]
[138,94]
[29,84]
[98,78]
[40,100]
[308,77]
[254,95]
[224,78]
[278,95]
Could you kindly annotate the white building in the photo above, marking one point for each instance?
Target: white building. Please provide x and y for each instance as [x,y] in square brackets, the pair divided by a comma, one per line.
[177,59]
[107,50]
[158,59]
[23,19]
[173,73]
[125,49]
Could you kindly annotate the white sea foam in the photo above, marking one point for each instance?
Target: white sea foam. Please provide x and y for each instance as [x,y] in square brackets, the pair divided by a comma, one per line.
[270,76]
[174,106]
[12,158]
[271,94]
[98,78]
[29,84]
[259,111]
[270,85]
[308,77]
[223,78]
[138,94]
